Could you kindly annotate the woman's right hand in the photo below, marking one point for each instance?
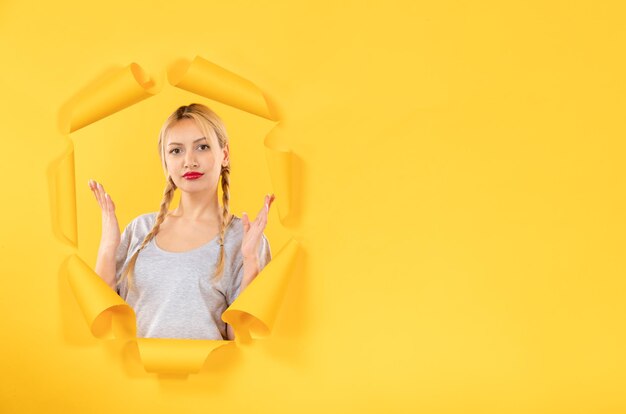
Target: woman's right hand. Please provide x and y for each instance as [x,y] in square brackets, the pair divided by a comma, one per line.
[110,229]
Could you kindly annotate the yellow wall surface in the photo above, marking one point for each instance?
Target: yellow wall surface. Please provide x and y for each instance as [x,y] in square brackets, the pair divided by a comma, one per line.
[455,186]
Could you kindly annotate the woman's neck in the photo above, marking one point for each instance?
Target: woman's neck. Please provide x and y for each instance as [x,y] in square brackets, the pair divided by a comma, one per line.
[198,207]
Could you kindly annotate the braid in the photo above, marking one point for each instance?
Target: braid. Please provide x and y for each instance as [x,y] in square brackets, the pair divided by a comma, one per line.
[168,194]
[226,219]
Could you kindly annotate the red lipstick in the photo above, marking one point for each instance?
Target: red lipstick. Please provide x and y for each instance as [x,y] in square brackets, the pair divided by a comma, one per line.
[193,175]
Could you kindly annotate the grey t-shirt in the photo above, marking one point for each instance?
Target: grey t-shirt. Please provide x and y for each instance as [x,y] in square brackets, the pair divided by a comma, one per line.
[175,296]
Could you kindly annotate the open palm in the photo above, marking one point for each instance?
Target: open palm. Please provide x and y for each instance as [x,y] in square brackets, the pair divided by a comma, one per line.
[252,232]
[110,238]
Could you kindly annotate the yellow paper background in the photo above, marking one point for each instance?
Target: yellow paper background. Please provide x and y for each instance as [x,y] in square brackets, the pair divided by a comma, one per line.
[458,173]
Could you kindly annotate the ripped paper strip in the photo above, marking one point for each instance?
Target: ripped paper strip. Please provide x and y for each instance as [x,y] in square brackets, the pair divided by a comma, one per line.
[214,82]
[108,316]
[114,92]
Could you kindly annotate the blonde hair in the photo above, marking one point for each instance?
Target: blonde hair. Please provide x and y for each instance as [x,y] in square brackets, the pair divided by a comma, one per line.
[210,125]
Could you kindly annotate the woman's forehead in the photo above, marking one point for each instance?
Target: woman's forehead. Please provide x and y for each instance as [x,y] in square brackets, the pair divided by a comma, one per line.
[187,132]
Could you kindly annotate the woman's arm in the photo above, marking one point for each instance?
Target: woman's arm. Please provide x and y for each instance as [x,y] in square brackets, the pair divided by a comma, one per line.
[253,238]
[250,271]
[111,237]
[105,266]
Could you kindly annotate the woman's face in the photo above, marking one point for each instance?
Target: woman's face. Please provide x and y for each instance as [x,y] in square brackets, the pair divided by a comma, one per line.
[188,150]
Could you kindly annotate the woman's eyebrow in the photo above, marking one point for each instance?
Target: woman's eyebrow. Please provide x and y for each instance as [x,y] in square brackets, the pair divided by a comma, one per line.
[178,143]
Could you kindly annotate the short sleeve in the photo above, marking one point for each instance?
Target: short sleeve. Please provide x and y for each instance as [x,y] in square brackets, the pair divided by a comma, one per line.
[121,254]
[264,255]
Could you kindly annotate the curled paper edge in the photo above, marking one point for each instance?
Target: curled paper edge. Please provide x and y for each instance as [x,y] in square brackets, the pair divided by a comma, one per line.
[215,82]
[254,311]
[280,165]
[62,180]
[117,90]
[99,303]
[158,356]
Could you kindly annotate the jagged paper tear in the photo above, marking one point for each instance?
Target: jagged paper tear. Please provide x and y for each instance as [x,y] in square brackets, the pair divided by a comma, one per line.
[253,313]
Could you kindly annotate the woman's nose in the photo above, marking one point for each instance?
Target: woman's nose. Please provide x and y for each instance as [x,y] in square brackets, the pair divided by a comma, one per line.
[190,161]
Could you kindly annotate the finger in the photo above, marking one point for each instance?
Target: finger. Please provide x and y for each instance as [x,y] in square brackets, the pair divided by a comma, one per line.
[107,199]
[112,204]
[92,187]
[260,222]
[271,200]
[268,204]
[103,201]
[254,231]
[96,192]
[262,212]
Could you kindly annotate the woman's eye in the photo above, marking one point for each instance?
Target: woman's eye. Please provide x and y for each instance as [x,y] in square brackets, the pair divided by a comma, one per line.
[178,149]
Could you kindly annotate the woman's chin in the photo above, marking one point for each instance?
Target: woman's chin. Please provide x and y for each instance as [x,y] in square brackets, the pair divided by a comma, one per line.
[194,188]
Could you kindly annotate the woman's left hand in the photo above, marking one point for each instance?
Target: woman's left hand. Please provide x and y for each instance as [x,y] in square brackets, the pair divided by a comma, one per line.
[252,231]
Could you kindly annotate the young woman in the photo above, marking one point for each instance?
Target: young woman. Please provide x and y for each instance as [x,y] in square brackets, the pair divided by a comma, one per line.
[180,270]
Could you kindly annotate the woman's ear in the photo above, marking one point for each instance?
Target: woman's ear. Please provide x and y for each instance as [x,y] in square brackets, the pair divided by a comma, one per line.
[226,152]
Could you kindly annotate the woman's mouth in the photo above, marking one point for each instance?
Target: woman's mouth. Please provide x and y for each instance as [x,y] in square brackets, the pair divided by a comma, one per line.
[193,176]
